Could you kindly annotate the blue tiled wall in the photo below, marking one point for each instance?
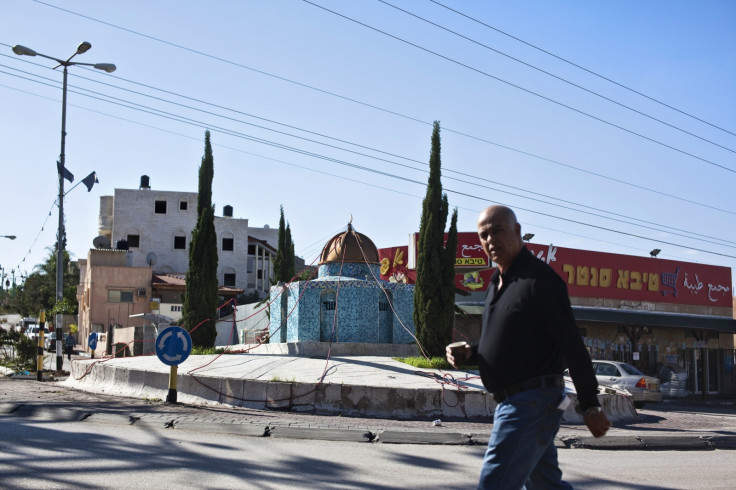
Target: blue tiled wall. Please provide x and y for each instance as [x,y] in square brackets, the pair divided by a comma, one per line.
[356,300]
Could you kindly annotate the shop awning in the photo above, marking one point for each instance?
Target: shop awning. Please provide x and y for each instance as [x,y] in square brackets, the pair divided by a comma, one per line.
[634,317]
[654,319]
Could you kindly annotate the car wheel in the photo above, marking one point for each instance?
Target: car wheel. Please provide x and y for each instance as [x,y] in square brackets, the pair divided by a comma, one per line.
[639,404]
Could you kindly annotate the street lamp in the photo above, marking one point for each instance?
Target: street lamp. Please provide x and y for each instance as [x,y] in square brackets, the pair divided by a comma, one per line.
[109,68]
[12,237]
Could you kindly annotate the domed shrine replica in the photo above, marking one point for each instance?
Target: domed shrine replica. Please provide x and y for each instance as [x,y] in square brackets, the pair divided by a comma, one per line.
[347,302]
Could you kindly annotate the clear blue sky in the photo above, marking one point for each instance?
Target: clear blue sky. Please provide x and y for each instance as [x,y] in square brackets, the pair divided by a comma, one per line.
[260,74]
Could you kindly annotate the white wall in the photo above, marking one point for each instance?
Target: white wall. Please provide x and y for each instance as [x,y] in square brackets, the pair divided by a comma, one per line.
[133,214]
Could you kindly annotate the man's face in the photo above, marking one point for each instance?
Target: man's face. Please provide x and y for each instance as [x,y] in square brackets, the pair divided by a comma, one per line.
[500,236]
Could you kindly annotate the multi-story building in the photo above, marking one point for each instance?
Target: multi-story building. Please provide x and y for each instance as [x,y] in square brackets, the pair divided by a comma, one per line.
[156,226]
[152,231]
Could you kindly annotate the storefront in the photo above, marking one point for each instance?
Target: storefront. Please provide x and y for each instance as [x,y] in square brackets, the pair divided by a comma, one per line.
[653,313]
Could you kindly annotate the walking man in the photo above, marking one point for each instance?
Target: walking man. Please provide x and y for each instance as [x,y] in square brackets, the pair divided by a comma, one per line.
[528,336]
[70,343]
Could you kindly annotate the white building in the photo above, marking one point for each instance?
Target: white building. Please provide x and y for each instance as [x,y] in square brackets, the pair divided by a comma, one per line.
[156,226]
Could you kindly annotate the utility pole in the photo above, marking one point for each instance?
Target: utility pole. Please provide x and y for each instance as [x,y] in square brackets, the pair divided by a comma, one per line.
[61,170]
[41,331]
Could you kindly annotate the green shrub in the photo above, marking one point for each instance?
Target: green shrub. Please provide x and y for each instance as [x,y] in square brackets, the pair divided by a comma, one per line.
[26,352]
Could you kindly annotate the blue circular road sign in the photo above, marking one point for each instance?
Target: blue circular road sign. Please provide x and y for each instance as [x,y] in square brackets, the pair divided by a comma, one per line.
[92,340]
[173,345]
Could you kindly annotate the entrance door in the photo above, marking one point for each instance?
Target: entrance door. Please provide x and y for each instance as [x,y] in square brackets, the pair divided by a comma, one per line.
[385,320]
[703,372]
[327,316]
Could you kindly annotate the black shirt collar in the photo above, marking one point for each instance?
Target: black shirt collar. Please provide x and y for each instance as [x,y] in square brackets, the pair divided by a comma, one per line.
[522,257]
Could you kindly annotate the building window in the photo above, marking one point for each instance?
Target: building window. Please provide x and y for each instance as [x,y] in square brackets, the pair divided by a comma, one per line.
[118,296]
[134,241]
[259,273]
[229,280]
[180,242]
[176,308]
[183,205]
[228,244]
[251,249]
[160,207]
[382,306]
[329,305]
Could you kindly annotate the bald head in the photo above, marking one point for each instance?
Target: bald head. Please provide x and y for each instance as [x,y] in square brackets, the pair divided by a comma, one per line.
[500,235]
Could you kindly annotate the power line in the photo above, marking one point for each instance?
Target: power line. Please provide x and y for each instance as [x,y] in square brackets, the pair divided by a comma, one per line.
[584,69]
[179,118]
[519,87]
[446,129]
[587,209]
[360,167]
[372,149]
[558,77]
[232,133]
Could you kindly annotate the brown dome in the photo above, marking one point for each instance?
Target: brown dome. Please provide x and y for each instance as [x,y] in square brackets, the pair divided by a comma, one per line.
[350,246]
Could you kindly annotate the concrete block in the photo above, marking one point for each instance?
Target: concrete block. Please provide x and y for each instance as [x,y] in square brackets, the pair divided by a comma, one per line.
[8,407]
[406,437]
[248,430]
[198,388]
[722,442]
[607,442]
[254,394]
[278,395]
[321,434]
[671,443]
[110,419]
[232,390]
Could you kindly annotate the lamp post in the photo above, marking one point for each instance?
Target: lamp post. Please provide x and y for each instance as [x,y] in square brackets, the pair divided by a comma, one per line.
[109,68]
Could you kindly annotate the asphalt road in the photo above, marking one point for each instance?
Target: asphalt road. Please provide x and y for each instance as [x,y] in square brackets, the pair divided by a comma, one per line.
[38,452]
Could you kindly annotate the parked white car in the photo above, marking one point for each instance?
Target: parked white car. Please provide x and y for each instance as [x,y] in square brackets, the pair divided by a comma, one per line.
[33,330]
[616,374]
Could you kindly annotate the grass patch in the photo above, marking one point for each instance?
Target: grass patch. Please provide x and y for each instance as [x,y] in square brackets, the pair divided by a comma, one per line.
[433,363]
[424,363]
[205,351]
[278,379]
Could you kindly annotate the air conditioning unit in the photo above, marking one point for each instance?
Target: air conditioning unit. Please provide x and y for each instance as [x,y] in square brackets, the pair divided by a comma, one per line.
[141,292]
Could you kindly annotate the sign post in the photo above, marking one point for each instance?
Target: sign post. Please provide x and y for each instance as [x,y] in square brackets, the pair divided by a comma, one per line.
[92,343]
[173,346]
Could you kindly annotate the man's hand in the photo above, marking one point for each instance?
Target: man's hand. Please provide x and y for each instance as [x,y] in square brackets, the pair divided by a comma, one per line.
[598,424]
[457,353]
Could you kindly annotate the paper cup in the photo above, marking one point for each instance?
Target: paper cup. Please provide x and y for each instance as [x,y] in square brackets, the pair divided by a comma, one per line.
[457,344]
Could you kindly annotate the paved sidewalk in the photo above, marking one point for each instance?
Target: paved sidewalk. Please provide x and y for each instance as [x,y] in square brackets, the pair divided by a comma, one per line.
[681,424]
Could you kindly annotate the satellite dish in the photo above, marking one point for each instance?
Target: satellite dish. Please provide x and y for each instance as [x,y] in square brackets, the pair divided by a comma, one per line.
[151,259]
[101,242]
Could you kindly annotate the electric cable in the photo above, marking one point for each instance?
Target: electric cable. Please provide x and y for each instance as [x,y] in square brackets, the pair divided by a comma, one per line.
[531,92]
[170,115]
[357,101]
[529,65]
[584,69]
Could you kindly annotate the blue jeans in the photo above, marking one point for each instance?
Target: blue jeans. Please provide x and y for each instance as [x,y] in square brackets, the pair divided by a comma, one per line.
[521,451]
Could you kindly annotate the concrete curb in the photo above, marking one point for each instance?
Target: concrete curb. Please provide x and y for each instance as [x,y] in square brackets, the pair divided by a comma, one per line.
[172,421]
[328,397]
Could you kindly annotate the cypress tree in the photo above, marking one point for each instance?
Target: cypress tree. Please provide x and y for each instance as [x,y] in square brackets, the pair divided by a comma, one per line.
[284,264]
[290,268]
[279,262]
[434,288]
[201,296]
